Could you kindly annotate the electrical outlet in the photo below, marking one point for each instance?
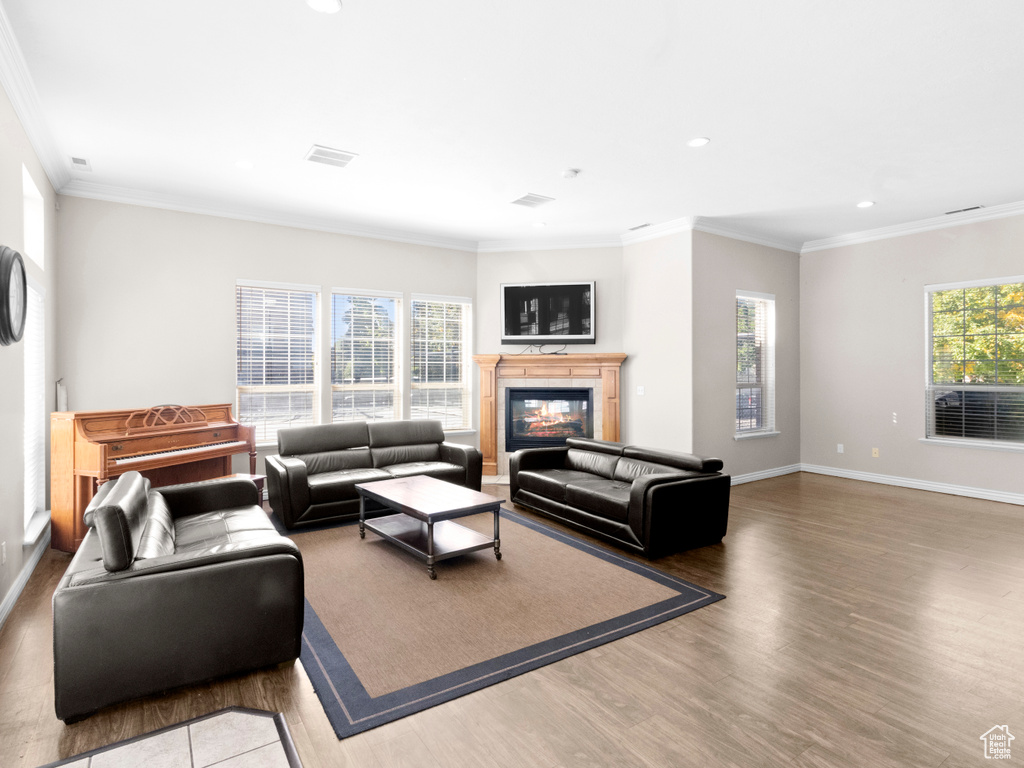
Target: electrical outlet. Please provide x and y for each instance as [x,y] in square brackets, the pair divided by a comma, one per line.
[874,453]
[839,447]
[640,389]
[3,553]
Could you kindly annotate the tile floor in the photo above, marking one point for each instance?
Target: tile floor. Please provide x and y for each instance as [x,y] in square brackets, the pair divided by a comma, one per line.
[231,738]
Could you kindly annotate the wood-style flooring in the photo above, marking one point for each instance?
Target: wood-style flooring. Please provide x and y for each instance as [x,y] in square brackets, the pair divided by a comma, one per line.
[864,625]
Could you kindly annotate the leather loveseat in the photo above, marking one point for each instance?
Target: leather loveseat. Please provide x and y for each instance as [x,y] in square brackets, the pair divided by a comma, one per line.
[171,587]
[644,500]
[313,477]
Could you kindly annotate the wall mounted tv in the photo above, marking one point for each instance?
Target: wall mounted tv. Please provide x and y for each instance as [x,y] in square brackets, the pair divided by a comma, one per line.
[547,313]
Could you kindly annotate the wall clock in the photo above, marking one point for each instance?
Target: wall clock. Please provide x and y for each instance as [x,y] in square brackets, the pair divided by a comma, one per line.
[13,296]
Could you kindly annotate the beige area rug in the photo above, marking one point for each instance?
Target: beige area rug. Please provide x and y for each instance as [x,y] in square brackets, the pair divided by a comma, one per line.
[383,640]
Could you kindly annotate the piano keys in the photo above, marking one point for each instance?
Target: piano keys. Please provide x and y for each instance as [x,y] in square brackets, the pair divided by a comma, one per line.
[169,444]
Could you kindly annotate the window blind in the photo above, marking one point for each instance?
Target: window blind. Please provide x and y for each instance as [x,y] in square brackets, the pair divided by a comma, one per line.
[275,358]
[755,363]
[364,361]
[34,343]
[440,361]
[975,388]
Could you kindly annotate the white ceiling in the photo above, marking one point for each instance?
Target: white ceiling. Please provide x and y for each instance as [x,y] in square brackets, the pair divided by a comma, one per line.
[457,107]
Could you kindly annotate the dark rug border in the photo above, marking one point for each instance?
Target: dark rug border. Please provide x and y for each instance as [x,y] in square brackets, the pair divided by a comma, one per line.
[352,710]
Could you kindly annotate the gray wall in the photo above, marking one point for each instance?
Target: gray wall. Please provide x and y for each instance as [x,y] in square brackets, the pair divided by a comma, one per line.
[722,266]
[862,319]
[147,295]
[15,151]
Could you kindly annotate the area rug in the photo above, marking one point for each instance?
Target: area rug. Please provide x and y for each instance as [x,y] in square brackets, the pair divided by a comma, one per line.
[382,640]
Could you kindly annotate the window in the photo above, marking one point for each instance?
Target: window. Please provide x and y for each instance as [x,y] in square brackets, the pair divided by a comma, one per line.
[364,361]
[755,364]
[975,377]
[34,221]
[440,360]
[276,360]
[35,405]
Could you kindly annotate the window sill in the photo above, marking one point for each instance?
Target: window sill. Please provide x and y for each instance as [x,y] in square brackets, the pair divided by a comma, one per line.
[985,445]
[754,435]
[40,520]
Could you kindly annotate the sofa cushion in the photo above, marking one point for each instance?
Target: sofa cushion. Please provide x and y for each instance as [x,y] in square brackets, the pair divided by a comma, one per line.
[601,464]
[600,496]
[332,461]
[404,454]
[158,537]
[414,431]
[674,459]
[600,446]
[441,470]
[119,517]
[550,482]
[225,526]
[330,487]
[629,469]
[322,438]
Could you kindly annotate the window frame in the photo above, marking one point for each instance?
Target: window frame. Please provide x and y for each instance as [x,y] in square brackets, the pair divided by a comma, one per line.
[464,383]
[396,387]
[931,388]
[36,414]
[767,375]
[264,434]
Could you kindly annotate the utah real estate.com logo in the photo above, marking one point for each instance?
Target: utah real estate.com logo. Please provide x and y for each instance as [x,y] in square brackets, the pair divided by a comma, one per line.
[997,742]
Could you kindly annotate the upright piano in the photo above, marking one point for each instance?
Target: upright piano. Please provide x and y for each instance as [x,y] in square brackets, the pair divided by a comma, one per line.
[167,443]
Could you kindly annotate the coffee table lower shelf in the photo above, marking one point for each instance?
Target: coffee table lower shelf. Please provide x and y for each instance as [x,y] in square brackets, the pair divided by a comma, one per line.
[431,542]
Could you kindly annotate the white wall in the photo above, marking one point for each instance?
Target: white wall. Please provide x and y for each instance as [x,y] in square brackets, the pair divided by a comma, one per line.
[16,151]
[722,266]
[147,295]
[862,317]
[602,265]
[658,337]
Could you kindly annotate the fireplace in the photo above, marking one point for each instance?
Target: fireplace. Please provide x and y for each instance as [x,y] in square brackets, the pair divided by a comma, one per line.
[539,416]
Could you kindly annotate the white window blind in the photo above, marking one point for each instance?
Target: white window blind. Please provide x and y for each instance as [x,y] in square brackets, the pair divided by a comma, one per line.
[755,363]
[364,361]
[34,343]
[276,357]
[441,328]
[33,218]
[975,377]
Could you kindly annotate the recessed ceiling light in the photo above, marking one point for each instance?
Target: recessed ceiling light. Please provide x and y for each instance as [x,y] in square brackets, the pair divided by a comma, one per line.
[540,223]
[865,203]
[699,141]
[325,6]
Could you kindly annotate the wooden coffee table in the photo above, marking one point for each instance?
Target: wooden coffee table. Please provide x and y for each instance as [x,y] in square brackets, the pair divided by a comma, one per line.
[426,508]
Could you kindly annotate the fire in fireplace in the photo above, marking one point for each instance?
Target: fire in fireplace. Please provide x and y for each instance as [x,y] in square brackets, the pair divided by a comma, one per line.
[539,416]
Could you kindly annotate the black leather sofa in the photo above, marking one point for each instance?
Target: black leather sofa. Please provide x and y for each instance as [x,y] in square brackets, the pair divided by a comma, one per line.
[644,500]
[171,587]
[313,477]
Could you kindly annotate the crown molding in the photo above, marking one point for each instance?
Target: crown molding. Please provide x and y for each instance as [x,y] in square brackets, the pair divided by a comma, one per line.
[79,188]
[552,244]
[16,81]
[713,227]
[914,227]
[653,232]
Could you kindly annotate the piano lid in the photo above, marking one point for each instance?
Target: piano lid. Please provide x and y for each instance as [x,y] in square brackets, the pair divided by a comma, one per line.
[102,426]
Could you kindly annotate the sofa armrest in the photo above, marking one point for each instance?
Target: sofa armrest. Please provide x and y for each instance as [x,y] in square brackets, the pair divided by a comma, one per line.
[533,458]
[468,457]
[287,487]
[209,495]
[670,512]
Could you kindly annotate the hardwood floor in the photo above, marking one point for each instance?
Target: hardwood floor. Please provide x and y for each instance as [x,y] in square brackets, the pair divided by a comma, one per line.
[864,625]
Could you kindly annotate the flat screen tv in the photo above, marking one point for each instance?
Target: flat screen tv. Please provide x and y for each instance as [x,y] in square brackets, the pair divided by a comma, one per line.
[547,313]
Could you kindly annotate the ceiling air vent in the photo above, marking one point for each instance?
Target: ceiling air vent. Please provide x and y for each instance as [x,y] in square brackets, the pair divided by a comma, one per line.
[965,210]
[531,200]
[328,156]
[80,164]
[639,226]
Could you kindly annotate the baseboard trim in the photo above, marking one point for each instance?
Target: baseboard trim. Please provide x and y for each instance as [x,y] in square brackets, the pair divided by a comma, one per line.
[764,474]
[922,485]
[26,572]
